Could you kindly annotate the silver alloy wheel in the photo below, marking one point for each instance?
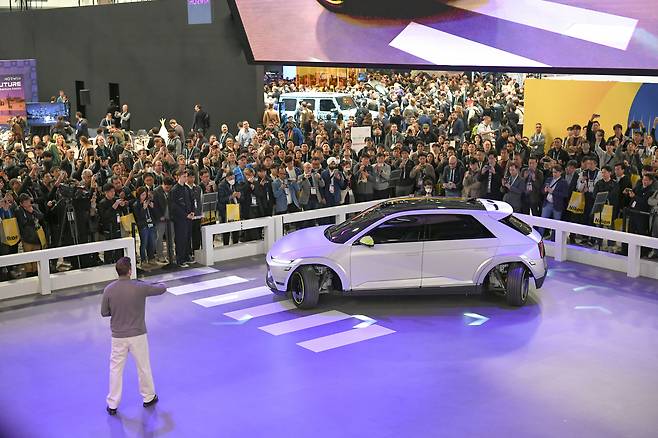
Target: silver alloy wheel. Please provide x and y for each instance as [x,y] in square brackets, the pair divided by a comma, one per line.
[525,285]
[297,288]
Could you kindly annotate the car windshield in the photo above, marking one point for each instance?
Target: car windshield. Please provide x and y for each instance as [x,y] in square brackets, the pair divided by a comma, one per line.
[346,102]
[341,233]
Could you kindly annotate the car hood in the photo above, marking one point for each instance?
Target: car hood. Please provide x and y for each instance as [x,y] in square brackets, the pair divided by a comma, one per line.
[308,242]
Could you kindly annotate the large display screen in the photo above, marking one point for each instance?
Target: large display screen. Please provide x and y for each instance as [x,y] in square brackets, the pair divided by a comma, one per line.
[515,35]
[45,114]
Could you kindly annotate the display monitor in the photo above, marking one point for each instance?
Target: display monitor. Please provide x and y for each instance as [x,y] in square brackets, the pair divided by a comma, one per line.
[519,35]
[45,114]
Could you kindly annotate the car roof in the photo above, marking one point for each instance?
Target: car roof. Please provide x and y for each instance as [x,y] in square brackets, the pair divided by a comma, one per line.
[402,204]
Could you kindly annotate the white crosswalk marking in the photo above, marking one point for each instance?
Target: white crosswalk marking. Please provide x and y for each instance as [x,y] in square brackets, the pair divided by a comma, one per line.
[442,48]
[597,27]
[233,297]
[179,275]
[262,310]
[305,322]
[205,285]
[341,339]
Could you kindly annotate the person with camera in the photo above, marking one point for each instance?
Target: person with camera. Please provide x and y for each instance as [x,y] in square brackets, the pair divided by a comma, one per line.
[182,213]
[422,171]
[143,208]
[29,220]
[110,209]
[491,177]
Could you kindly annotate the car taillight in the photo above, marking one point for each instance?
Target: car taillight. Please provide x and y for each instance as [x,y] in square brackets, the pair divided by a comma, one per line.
[542,251]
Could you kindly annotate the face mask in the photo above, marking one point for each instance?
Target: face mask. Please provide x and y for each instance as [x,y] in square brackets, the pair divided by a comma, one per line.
[428,189]
[230,182]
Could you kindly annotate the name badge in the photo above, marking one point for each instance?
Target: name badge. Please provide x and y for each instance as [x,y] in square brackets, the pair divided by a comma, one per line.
[314,191]
[150,225]
[253,201]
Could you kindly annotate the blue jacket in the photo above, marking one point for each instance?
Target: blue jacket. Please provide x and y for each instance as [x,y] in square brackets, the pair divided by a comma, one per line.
[297,137]
[560,193]
[281,204]
[333,199]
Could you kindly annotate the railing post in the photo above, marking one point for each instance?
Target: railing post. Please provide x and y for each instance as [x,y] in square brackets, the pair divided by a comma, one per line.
[278,227]
[633,260]
[207,246]
[129,251]
[43,267]
[341,217]
[560,254]
[269,233]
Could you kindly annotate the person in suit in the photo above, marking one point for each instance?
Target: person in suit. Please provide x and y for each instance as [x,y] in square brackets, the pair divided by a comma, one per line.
[285,193]
[201,121]
[227,193]
[393,137]
[453,178]
[491,177]
[106,123]
[182,213]
[161,216]
[405,184]
[197,206]
[81,126]
[514,188]
[537,142]
[557,191]
[334,183]
[472,188]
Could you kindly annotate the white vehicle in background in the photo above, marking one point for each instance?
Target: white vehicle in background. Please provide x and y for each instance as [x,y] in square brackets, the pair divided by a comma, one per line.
[322,104]
[412,246]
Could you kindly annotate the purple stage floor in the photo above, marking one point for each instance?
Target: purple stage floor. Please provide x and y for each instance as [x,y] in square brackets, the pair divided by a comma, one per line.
[578,361]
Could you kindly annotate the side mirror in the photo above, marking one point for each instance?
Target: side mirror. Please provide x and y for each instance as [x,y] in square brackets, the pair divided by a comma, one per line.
[367,241]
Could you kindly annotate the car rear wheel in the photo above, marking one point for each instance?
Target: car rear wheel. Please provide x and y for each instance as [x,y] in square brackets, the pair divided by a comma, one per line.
[334,5]
[305,287]
[518,285]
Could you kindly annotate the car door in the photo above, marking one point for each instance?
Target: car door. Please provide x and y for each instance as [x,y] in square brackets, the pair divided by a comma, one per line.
[394,261]
[456,245]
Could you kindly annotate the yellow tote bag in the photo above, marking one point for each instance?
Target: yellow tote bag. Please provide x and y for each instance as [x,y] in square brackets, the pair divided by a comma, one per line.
[127,222]
[208,218]
[605,217]
[10,233]
[619,224]
[576,203]
[232,212]
[42,237]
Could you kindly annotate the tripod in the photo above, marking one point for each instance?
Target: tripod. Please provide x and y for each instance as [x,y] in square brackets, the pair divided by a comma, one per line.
[69,216]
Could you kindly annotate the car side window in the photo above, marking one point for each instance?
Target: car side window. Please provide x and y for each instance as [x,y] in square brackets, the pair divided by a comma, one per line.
[398,230]
[289,104]
[326,105]
[455,227]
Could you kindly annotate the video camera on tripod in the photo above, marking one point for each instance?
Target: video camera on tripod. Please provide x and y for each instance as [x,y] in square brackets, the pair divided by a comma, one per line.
[71,191]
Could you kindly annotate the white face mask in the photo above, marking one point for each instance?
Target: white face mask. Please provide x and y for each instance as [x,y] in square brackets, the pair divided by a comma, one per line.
[230,182]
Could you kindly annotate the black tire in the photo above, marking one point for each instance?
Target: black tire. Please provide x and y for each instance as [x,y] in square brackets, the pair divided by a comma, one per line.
[334,5]
[304,287]
[518,285]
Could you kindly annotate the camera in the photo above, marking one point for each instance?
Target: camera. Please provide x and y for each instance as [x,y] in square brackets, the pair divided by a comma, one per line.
[70,191]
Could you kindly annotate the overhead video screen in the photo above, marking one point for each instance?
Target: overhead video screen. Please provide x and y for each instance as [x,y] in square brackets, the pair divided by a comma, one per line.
[523,35]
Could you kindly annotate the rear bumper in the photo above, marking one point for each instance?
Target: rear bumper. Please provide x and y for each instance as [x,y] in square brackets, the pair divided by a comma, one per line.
[539,281]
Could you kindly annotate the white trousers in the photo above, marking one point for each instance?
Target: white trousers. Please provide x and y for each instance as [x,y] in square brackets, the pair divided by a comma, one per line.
[139,349]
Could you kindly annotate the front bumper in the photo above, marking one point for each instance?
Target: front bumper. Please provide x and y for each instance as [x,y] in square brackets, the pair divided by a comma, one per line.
[540,273]
[274,287]
[278,273]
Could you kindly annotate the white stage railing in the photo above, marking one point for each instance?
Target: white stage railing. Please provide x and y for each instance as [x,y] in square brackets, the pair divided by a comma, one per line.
[274,229]
[632,264]
[46,282]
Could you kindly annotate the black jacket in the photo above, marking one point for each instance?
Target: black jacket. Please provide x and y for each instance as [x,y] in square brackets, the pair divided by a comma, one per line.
[181,203]
[27,224]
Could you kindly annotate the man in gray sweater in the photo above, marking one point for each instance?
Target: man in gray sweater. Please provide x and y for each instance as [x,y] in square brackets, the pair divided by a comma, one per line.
[124,301]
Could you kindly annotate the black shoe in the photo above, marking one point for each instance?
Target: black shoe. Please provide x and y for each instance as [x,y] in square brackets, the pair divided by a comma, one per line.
[150,403]
[111,411]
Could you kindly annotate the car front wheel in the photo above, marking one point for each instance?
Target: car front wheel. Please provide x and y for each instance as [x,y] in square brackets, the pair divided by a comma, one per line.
[305,287]
[518,285]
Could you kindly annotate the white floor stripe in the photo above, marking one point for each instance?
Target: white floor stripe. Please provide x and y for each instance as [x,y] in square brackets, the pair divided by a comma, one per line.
[233,297]
[205,285]
[442,48]
[305,322]
[597,27]
[345,338]
[262,310]
[194,272]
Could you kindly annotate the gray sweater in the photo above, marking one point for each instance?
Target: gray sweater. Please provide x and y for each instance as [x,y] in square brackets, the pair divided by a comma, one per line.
[124,300]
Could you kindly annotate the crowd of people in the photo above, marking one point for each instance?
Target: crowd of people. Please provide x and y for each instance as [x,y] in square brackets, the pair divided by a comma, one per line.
[453,135]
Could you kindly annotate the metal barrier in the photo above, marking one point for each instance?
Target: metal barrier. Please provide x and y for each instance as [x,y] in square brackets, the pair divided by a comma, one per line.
[46,282]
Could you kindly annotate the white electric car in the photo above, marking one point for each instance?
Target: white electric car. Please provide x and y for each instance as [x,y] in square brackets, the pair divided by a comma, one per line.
[412,246]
